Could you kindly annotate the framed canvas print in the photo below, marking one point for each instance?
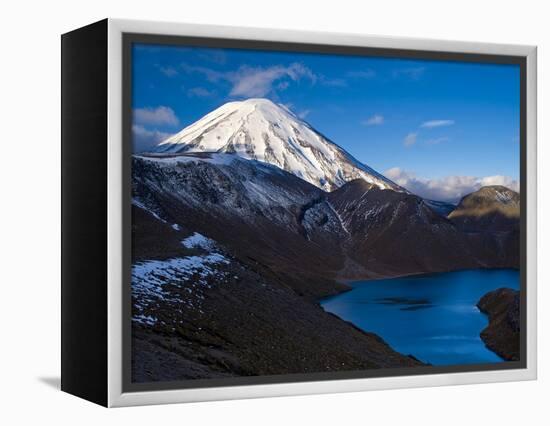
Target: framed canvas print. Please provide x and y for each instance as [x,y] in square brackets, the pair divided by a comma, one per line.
[254,213]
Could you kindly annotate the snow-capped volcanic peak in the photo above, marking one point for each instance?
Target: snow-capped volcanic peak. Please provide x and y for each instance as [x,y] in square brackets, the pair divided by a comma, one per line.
[258,129]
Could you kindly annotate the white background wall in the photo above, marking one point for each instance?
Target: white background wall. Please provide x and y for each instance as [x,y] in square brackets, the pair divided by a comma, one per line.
[30,199]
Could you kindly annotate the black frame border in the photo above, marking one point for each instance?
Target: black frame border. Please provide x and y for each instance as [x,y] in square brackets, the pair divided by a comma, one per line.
[128,39]
[84,234]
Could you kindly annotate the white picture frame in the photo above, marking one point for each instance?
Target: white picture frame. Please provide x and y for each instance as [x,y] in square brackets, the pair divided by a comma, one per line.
[116,395]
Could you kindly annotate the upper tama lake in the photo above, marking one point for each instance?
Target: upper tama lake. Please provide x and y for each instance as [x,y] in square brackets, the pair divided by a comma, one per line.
[433,317]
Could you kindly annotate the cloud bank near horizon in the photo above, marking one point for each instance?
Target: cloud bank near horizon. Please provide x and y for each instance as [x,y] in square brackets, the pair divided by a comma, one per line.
[449,188]
[145,140]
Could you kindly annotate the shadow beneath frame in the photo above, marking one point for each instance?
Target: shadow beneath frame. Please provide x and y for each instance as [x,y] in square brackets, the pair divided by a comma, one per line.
[53,382]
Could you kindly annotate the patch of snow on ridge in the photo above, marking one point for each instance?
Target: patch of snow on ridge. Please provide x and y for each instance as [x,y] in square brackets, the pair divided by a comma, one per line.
[505,197]
[139,204]
[150,278]
[144,319]
[207,157]
[342,223]
[199,241]
[151,275]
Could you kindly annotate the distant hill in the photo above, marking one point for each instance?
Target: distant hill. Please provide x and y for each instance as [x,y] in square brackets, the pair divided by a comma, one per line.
[491,208]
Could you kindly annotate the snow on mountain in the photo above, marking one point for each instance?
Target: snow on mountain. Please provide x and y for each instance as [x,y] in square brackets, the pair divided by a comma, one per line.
[199,241]
[226,184]
[154,282]
[258,129]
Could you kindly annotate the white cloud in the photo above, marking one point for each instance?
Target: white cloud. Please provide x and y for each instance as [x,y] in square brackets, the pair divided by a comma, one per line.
[410,139]
[449,188]
[375,120]
[200,92]
[253,82]
[500,180]
[303,114]
[144,140]
[258,82]
[161,115]
[436,123]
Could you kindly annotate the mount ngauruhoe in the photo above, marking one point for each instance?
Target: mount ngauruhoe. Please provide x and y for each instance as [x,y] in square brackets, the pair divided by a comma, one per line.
[243,220]
[258,129]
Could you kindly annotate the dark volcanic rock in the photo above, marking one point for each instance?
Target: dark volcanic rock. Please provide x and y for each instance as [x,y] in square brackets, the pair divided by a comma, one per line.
[237,322]
[230,256]
[279,244]
[269,218]
[502,335]
[490,219]
[393,233]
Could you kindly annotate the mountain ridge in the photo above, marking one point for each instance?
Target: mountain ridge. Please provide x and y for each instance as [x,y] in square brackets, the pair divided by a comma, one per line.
[230,257]
[359,224]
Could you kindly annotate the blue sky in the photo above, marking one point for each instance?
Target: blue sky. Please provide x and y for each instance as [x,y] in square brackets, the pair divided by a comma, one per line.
[425,123]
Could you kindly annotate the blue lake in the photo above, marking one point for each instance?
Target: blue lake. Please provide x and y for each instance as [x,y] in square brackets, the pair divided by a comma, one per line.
[432,317]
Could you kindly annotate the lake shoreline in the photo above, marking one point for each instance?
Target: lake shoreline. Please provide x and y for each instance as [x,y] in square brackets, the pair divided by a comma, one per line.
[502,334]
[348,281]
[413,305]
